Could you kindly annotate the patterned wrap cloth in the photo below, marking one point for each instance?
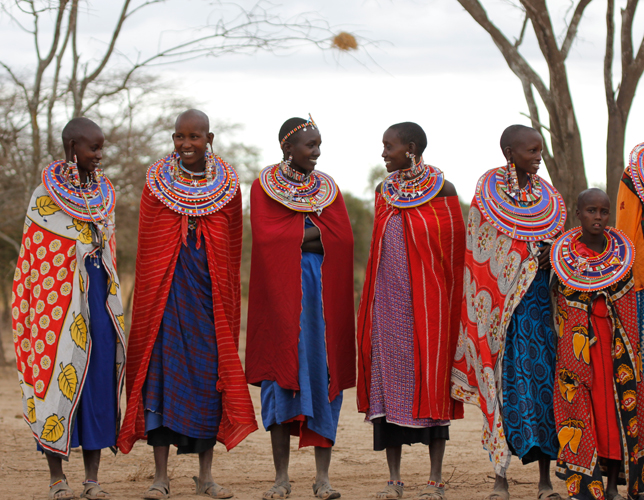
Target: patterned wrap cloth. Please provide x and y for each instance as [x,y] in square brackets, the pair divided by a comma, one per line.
[498,272]
[433,243]
[578,463]
[51,322]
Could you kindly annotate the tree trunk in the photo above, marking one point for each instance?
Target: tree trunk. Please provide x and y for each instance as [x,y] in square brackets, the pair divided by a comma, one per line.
[614,157]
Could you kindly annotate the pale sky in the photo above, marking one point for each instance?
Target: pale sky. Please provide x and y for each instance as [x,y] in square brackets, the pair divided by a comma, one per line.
[433,65]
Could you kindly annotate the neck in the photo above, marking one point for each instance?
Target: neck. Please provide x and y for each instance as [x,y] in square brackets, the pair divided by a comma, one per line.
[522,178]
[199,166]
[82,175]
[595,242]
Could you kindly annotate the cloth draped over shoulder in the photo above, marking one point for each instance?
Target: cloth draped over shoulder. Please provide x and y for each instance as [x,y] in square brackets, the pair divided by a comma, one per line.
[630,219]
[578,463]
[434,242]
[161,234]
[498,273]
[52,327]
[275,293]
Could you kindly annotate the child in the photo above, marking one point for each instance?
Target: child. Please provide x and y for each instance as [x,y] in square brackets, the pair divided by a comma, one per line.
[301,335]
[505,359]
[408,317]
[598,359]
[67,313]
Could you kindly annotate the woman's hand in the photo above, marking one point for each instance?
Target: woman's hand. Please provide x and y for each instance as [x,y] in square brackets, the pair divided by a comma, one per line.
[544,256]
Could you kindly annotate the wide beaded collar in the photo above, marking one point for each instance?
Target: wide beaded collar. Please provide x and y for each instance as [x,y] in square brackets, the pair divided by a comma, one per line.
[310,193]
[194,197]
[93,202]
[412,187]
[584,273]
[541,217]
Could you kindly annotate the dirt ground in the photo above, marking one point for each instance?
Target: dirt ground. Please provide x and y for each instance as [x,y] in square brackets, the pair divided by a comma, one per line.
[356,470]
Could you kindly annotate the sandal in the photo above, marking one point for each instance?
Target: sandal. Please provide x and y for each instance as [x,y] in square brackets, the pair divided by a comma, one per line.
[549,494]
[211,489]
[93,491]
[433,491]
[278,490]
[325,491]
[157,491]
[394,489]
[61,486]
[498,495]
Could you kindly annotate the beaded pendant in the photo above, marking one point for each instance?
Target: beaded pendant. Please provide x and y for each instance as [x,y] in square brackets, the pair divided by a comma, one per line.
[193,197]
[92,203]
[636,169]
[413,186]
[540,217]
[311,193]
[583,273]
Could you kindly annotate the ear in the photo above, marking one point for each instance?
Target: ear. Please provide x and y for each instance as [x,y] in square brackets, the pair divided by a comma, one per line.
[577,212]
[286,149]
[411,147]
[211,137]
[507,152]
[69,149]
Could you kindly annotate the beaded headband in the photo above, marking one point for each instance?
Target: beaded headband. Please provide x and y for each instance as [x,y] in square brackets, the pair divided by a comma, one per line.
[300,126]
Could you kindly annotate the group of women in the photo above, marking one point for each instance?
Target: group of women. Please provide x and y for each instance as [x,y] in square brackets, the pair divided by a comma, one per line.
[448,315]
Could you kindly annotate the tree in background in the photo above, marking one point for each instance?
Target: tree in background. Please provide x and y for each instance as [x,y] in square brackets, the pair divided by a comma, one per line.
[564,158]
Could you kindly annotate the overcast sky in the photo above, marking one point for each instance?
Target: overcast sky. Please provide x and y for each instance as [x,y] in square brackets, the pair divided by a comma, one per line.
[433,65]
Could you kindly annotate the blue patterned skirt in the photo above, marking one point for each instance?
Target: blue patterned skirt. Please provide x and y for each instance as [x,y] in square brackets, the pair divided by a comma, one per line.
[528,376]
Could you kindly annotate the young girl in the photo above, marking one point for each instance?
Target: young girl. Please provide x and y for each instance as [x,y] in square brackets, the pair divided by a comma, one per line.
[301,334]
[598,393]
[408,321]
[505,359]
[67,314]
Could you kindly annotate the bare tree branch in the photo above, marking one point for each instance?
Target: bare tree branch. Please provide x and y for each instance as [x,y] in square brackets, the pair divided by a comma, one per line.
[573,27]
[609,54]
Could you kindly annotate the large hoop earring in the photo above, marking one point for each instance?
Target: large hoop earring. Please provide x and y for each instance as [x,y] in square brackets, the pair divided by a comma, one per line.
[514,181]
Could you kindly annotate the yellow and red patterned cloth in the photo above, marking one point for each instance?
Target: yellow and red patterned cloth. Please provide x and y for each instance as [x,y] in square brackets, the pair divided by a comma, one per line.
[51,323]
[575,402]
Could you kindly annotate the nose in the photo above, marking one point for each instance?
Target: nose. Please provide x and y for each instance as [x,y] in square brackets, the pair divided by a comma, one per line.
[99,154]
[384,154]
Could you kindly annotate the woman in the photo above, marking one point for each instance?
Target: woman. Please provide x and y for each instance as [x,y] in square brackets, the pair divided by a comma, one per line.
[505,360]
[404,357]
[185,384]
[301,334]
[67,313]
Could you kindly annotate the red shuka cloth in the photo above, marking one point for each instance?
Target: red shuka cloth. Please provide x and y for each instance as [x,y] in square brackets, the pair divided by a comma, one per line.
[161,232]
[435,242]
[275,293]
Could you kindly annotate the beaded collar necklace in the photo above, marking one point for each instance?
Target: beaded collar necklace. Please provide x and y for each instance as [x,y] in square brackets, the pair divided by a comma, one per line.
[93,201]
[296,191]
[413,186]
[584,273]
[193,197]
[535,220]
[636,169]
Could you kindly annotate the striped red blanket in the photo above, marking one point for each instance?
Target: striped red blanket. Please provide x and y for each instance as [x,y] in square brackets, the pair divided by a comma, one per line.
[161,232]
[435,241]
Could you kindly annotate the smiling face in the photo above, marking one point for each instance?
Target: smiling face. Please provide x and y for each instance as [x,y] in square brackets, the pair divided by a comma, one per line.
[191,139]
[593,211]
[525,151]
[394,151]
[88,148]
[304,147]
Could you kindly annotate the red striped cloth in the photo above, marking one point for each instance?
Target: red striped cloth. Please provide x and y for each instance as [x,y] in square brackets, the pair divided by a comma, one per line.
[435,243]
[160,240]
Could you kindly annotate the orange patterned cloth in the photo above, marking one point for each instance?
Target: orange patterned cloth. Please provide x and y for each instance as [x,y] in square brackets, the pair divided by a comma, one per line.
[578,463]
[51,323]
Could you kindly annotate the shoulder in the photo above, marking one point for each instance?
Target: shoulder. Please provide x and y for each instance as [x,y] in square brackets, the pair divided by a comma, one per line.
[379,188]
[447,190]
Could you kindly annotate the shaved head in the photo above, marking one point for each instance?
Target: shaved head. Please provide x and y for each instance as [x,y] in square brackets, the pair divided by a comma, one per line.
[76,129]
[197,117]
[590,195]
[512,133]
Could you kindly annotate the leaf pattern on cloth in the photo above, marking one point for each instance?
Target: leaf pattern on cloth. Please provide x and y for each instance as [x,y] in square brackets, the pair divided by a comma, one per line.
[68,380]
[53,429]
[78,330]
[45,206]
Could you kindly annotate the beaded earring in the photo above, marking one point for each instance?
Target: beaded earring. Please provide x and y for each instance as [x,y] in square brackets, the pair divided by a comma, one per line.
[210,165]
[412,157]
[514,181]
[72,172]
[174,165]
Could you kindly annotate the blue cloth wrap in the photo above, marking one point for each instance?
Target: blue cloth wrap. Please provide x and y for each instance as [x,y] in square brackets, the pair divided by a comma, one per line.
[312,400]
[528,374]
[180,388]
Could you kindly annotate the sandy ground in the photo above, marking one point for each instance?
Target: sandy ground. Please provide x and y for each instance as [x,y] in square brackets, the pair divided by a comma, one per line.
[356,470]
